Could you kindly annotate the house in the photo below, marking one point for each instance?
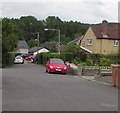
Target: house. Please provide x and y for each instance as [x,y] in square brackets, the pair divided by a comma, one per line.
[42,50]
[22,47]
[53,46]
[35,50]
[102,38]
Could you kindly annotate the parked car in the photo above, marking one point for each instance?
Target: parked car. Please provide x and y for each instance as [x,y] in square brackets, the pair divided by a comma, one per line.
[19,60]
[30,58]
[54,65]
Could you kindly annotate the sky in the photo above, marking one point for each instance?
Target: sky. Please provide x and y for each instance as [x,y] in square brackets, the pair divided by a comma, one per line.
[85,11]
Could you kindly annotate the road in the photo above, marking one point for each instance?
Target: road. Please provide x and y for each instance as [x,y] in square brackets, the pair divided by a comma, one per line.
[27,87]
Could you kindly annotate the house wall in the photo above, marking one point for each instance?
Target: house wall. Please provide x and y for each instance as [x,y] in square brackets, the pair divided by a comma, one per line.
[95,47]
[102,46]
[108,46]
[23,51]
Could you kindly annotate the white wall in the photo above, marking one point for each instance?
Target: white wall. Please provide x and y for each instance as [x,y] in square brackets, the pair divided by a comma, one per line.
[23,51]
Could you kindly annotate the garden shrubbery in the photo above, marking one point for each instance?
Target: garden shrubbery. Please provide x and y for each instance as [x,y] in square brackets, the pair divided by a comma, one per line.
[43,57]
[81,59]
[8,59]
[101,60]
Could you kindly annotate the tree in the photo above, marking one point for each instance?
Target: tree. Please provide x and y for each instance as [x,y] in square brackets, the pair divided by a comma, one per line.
[72,48]
[32,43]
[9,39]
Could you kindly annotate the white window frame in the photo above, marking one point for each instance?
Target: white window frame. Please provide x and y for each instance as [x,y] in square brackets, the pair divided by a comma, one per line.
[116,42]
[89,41]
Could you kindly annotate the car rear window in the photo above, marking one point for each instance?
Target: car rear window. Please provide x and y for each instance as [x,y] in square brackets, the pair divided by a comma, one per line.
[18,57]
[56,62]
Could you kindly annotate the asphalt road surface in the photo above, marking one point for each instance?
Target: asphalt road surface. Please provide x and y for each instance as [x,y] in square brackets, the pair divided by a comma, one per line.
[27,87]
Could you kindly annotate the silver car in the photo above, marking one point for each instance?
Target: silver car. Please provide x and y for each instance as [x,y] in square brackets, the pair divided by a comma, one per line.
[19,60]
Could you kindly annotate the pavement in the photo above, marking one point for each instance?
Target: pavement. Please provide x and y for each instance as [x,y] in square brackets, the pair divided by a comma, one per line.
[107,80]
[27,87]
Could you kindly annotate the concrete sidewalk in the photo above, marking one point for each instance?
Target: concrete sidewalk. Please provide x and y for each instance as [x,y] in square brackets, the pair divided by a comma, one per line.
[107,80]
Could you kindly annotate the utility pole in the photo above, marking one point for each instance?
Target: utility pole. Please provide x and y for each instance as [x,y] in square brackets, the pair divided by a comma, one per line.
[58,38]
[38,39]
[38,36]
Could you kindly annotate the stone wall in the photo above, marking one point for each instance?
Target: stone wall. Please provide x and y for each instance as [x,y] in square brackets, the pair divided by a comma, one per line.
[88,71]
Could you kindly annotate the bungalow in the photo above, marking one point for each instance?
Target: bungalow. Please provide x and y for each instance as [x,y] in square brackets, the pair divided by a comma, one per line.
[102,38]
[22,47]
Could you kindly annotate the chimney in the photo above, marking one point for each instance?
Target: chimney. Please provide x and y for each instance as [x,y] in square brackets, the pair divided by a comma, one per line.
[104,28]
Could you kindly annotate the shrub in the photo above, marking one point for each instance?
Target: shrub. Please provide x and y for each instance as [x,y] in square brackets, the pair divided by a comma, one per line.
[82,64]
[67,56]
[104,62]
[76,61]
[89,62]
[54,55]
[7,59]
[45,58]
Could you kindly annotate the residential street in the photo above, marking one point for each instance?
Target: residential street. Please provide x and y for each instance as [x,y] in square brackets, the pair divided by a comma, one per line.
[27,87]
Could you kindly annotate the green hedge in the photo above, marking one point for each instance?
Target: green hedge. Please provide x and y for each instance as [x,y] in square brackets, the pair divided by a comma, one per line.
[7,59]
[67,56]
[92,59]
[105,60]
[43,57]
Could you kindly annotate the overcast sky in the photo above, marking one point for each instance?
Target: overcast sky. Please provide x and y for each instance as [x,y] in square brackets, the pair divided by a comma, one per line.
[85,11]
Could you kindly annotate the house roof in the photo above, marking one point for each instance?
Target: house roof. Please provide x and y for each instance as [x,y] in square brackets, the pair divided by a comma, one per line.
[34,49]
[85,49]
[47,45]
[22,44]
[106,30]
[77,40]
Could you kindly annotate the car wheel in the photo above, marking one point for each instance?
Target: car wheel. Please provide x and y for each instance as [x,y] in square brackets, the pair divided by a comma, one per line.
[48,71]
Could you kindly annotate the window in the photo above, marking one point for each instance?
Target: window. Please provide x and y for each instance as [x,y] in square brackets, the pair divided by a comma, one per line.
[116,43]
[89,42]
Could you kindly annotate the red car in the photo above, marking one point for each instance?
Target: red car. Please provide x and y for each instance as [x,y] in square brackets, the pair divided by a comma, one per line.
[56,65]
[29,58]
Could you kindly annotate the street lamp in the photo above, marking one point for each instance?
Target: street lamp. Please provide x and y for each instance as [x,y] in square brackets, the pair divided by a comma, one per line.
[58,37]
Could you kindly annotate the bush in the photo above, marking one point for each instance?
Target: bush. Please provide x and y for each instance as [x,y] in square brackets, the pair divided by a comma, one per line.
[76,61]
[7,59]
[82,64]
[54,55]
[43,57]
[89,62]
[67,56]
[104,62]
[95,58]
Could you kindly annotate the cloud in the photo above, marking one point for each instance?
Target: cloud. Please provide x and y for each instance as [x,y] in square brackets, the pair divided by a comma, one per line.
[76,10]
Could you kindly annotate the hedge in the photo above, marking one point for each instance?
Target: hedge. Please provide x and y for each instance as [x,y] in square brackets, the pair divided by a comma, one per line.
[7,59]
[42,58]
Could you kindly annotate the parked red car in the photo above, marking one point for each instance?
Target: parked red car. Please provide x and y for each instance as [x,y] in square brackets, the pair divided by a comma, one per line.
[29,58]
[56,65]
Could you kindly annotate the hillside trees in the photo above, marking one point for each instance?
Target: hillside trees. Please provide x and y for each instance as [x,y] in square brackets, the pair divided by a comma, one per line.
[9,39]
[27,27]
